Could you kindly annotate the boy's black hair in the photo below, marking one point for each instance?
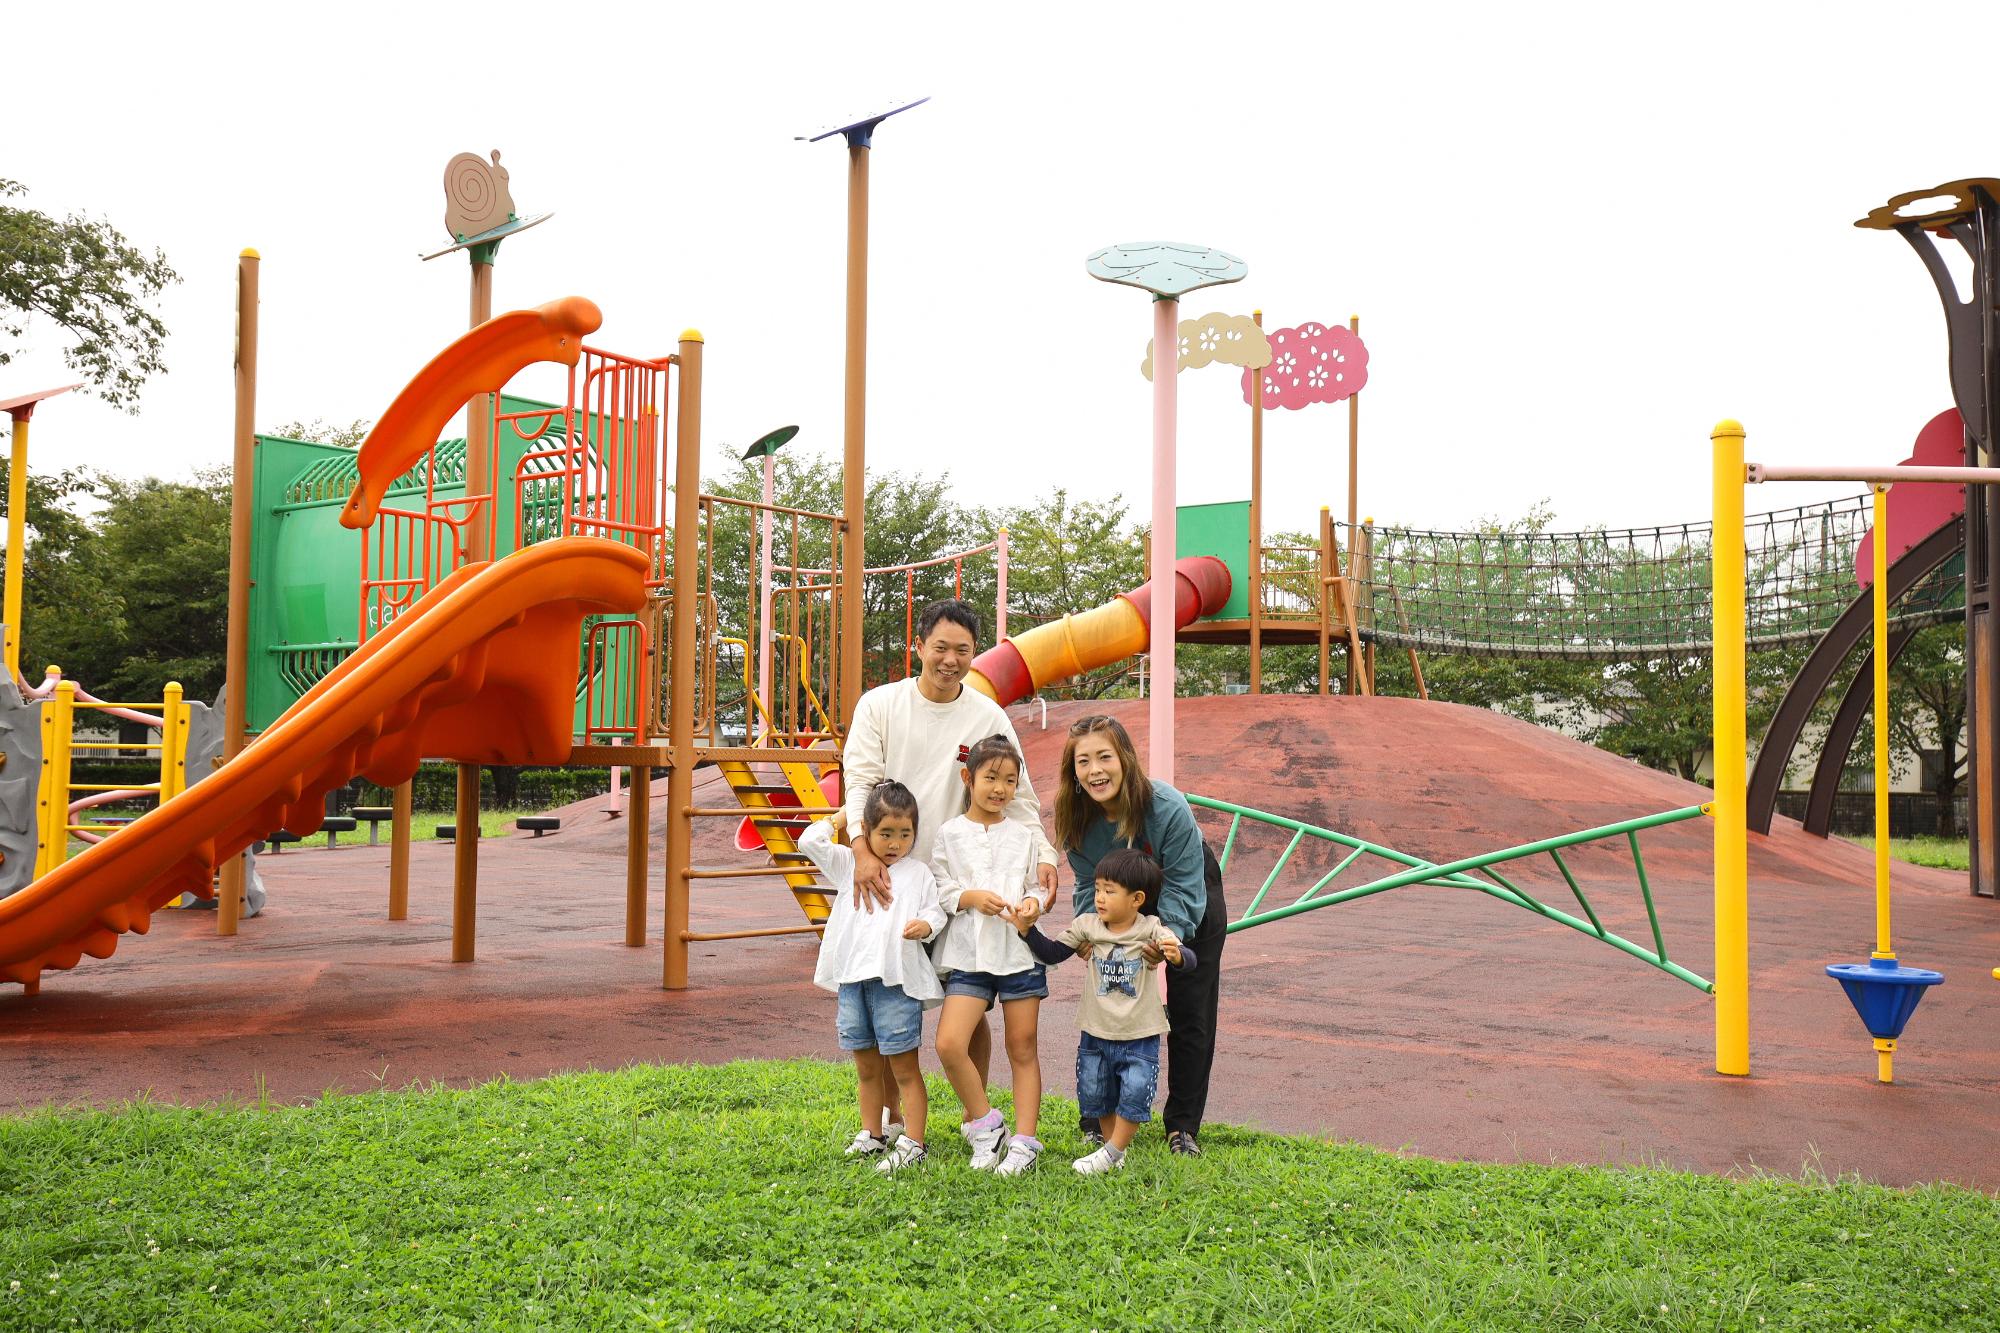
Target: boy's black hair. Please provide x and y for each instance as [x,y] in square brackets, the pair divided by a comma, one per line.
[889,797]
[1133,870]
[957,612]
[984,752]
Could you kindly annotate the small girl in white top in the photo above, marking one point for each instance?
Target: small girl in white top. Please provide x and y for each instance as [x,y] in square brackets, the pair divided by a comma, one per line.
[986,869]
[872,960]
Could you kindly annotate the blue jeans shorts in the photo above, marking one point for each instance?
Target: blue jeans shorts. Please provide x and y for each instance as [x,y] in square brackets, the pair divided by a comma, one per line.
[1117,1076]
[877,1017]
[1032,984]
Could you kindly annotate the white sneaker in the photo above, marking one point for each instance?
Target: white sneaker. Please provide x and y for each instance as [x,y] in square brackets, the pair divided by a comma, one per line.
[1099,1163]
[866,1145]
[1022,1153]
[987,1145]
[907,1152]
[891,1132]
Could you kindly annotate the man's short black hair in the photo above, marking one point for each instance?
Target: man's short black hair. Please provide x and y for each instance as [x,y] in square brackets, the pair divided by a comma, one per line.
[957,612]
[1134,871]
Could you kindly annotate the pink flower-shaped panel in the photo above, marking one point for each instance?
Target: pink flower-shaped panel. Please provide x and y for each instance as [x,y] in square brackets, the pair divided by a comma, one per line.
[1312,363]
[1919,508]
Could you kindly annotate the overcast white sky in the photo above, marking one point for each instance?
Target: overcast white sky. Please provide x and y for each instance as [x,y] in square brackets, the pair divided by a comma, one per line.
[1576,237]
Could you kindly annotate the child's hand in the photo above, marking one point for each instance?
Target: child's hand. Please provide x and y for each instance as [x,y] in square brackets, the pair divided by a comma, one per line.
[981,900]
[917,930]
[1170,949]
[1027,912]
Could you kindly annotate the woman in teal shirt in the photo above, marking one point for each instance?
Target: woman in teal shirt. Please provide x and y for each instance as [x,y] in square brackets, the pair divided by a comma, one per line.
[1105,801]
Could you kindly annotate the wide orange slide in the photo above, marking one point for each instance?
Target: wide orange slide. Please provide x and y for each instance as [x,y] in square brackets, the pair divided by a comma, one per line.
[483,670]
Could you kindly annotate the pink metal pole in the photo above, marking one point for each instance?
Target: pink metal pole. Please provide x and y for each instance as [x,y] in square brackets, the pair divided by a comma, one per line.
[764,605]
[1160,708]
[1000,597]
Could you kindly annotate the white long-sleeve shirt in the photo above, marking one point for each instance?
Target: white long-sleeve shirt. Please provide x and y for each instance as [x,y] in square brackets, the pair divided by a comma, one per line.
[869,946]
[897,733]
[999,858]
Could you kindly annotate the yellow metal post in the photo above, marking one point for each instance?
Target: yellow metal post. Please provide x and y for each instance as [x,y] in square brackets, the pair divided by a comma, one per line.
[17,536]
[1732,894]
[58,730]
[1885,1049]
[1880,599]
[173,743]
[46,793]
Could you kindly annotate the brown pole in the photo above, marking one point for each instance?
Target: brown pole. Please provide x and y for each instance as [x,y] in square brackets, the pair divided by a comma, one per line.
[638,830]
[236,668]
[478,546]
[399,853]
[680,688]
[854,489]
[1256,566]
[1327,569]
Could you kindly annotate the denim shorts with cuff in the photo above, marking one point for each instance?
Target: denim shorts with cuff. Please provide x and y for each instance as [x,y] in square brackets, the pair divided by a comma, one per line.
[878,1017]
[1117,1076]
[1032,984]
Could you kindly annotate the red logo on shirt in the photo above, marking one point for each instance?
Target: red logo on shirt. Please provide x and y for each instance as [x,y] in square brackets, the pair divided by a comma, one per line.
[963,751]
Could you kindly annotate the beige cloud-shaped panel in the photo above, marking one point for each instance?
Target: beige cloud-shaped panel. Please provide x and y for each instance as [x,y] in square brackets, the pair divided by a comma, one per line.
[1234,340]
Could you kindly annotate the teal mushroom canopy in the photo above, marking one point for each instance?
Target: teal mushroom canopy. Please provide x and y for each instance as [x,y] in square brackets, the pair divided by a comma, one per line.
[1165,268]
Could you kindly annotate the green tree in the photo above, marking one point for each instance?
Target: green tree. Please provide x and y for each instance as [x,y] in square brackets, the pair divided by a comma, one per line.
[71,613]
[84,276]
[1927,712]
[1065,556]
[165,549]
[321,431]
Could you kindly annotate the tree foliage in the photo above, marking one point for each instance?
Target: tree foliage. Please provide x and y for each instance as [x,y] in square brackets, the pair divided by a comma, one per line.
[321,431]
[83,275]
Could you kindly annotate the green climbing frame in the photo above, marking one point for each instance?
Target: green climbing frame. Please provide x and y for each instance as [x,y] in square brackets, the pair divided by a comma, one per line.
[1459,874]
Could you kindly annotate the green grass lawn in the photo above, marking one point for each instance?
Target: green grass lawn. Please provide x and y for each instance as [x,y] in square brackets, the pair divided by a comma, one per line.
[716,1198]
[1945,853]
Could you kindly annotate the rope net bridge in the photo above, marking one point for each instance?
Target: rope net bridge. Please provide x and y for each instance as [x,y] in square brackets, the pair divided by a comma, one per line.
[1618,594]
[1406,871]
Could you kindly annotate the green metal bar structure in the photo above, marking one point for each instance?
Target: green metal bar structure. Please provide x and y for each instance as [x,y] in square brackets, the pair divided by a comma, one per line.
[1329,877]
[1646,891]
[1229,845]
[1576,889]
[1276,870]
[1456,874]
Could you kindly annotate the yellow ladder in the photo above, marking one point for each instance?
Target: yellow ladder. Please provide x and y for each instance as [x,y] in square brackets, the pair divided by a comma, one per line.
[754,792]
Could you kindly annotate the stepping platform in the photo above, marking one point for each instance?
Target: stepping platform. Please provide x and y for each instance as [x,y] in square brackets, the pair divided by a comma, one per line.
[538,824]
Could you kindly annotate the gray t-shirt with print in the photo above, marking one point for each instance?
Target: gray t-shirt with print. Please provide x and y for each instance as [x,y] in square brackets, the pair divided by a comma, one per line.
[1121,1001]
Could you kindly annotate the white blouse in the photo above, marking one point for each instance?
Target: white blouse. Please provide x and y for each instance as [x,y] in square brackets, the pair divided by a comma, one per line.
[1000,858]
[860,945]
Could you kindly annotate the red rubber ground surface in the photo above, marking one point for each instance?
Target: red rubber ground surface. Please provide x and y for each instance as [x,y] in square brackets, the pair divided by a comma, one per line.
[1434,1020]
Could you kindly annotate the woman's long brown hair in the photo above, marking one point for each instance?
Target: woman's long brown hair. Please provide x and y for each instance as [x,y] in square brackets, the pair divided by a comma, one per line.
[1074,808]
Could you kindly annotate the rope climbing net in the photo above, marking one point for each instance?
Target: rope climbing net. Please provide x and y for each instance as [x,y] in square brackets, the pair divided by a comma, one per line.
[1614,594]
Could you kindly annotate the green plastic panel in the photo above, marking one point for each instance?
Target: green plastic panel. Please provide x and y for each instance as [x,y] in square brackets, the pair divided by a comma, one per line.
[1223,531]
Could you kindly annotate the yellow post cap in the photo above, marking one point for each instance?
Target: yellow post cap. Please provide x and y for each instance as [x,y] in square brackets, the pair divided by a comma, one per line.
[1727,426]
[692,336]
[250,252]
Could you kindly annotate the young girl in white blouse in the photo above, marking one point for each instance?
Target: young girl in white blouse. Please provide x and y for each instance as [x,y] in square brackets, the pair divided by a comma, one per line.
[875,962]
[985,865]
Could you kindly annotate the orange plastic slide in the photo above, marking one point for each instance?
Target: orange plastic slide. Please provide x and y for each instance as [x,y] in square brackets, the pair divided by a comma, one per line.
[1015,668]
[482,670]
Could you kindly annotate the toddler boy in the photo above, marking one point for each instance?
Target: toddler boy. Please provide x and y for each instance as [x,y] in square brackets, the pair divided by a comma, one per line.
[1122,1017]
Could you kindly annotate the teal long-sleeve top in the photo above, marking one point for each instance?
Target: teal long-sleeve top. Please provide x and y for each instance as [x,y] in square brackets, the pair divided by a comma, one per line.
[1173,839]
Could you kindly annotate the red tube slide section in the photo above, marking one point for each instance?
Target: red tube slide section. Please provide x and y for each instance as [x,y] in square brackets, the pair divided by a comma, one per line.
[1015,668]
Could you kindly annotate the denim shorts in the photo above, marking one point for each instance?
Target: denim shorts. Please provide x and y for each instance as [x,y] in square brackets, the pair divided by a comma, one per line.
[878,1017]
[1032,984]
[1117,1076]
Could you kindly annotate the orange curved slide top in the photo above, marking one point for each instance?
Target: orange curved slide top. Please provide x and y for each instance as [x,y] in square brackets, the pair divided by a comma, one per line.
[1015,668]
[482,361]
[482,669]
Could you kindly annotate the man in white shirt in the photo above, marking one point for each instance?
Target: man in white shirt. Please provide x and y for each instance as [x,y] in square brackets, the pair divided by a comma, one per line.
[916,731]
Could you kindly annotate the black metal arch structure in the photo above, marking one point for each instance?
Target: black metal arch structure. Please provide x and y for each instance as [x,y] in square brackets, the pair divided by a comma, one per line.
[1853,627]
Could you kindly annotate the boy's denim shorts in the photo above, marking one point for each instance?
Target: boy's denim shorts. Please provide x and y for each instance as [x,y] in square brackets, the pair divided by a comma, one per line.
[878,1017]
[1032,984]
[1117,1076]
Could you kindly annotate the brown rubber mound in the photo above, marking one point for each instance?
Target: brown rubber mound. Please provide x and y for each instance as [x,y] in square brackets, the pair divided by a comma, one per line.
[1435,1019]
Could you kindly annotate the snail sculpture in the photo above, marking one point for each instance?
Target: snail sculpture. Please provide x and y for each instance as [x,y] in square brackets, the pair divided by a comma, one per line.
[476,195]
